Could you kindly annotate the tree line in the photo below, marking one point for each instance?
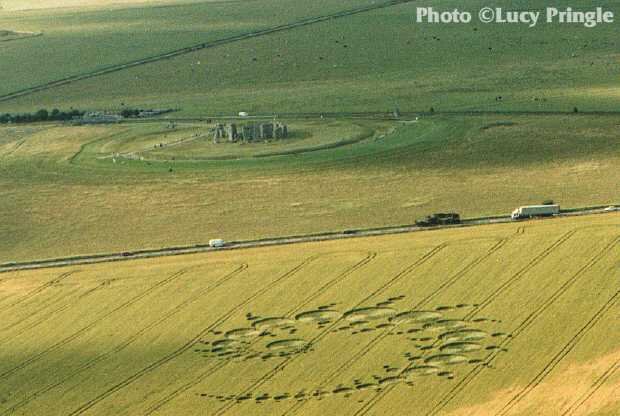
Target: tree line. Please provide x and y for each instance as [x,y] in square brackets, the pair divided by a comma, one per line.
[41,115]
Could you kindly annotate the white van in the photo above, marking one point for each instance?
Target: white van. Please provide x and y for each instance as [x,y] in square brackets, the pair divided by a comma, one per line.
[217,242]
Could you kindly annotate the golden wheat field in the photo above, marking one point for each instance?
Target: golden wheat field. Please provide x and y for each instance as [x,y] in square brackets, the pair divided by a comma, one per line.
[510,319]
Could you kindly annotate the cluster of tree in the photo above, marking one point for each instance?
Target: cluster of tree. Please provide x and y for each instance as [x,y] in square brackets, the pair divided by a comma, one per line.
[41,115]
[130,112]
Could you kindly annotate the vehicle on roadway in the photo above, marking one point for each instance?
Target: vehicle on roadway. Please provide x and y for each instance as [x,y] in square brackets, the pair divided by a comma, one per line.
[531,211]
[439,219]
[216,243]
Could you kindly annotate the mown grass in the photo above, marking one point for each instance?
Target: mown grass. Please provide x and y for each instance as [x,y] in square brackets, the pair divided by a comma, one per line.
[61,198]
[110,339]
[187,141]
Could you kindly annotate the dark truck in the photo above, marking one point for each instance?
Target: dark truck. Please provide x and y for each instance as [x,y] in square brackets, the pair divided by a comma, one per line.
[439,219]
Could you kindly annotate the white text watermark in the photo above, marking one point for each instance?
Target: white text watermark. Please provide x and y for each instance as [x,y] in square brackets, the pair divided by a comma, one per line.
[530,18]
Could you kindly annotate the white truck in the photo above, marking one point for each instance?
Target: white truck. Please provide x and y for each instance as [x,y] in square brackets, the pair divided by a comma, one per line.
[216,243]
[530,211]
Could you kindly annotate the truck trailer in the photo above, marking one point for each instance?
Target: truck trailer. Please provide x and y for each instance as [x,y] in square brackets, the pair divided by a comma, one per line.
[530,211]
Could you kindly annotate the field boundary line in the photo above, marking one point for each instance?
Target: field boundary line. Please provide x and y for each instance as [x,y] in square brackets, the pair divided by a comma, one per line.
[88,364]
[406,271]
[455,277]
[197,47]
[189,344]
[574,341]
[93,324]
[526,323]
[209,372]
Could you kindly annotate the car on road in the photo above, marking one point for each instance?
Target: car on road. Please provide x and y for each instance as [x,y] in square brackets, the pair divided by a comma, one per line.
[217,243]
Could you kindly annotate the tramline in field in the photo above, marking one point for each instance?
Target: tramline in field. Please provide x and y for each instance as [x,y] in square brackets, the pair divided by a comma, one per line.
[436,321]
[308,208]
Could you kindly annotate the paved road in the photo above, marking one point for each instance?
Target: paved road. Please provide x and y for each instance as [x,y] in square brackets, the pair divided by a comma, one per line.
[236,245]
[366,115]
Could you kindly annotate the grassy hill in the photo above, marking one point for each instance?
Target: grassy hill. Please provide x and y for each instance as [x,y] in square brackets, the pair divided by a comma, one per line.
[373,61]
[503,319]
[500,320]
[78,41]
[63,194]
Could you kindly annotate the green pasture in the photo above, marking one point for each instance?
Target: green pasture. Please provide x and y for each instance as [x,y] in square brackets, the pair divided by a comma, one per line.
[63,193]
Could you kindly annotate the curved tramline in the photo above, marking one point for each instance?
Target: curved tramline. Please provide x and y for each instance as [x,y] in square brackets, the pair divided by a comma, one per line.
[90,326]
[353,327]
[92,362]
[45,301]
[299,307]
[329,328]
[600,382]
[489,299]
[421,304]
[48,311]
[38,290]
[526,323]
[189,344]
[560,355]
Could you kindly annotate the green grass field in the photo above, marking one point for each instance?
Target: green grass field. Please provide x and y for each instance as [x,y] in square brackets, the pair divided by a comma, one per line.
[64,195]
[374,61]
[193,142]
[513,319]
[77,41]
[440,322]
